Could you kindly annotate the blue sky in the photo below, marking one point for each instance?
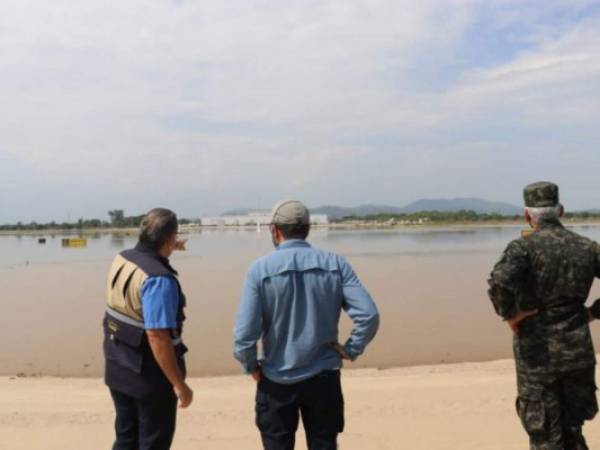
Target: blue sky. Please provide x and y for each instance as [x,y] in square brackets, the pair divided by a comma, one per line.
[208,106]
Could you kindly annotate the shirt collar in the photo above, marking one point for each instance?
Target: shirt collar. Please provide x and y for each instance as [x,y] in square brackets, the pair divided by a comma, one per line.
[293,243]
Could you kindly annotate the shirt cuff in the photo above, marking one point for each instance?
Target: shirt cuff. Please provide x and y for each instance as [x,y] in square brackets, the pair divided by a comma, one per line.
[352,352]
[251,366]
[510,314]
[159,325]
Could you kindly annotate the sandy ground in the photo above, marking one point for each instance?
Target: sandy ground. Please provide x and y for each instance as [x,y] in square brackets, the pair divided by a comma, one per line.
[461,406]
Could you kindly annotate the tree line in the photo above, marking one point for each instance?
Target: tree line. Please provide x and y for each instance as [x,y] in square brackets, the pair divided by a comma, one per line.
[456,216]
[117,219]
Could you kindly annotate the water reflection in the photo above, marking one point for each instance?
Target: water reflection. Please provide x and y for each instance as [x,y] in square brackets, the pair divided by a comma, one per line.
[249,243]
[117,240]
[429,284]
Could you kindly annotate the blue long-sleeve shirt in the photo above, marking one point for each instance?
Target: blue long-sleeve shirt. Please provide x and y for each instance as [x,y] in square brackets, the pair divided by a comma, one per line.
[292,299]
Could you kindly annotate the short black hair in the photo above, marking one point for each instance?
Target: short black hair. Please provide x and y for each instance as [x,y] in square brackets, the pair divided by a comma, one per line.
[157,226]
[294,231]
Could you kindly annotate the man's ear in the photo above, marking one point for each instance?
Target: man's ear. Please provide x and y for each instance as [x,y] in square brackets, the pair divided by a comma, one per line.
[275,233]
[527,216]
[278,234]
[173,241]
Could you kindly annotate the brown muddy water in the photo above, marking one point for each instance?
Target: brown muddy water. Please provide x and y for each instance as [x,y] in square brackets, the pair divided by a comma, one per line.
[429,284]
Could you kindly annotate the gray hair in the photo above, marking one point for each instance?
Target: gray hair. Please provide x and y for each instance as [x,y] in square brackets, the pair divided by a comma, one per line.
[544,213]
[157,226]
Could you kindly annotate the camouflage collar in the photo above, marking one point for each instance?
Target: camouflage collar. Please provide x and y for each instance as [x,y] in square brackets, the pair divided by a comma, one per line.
[549,223]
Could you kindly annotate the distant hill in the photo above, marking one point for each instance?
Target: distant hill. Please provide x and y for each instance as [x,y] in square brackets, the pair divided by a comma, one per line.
[455,204]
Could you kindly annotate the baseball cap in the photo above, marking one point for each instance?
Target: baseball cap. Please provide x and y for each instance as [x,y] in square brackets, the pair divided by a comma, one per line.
[290,212]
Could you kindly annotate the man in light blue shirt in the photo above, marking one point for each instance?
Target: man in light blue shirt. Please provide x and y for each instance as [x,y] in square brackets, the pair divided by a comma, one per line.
[292,299]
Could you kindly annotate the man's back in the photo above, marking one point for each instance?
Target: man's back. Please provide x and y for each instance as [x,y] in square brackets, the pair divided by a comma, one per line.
[551,271]
[564,265]
[293,297]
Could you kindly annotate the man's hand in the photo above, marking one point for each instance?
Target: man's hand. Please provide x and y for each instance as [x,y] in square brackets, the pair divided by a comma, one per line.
[257,374]
[338,348]
[521,315]
[594,310]
[164,353]
[180,245]
[184,394]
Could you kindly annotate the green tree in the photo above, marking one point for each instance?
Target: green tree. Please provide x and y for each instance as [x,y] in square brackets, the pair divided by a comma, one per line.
[117,217]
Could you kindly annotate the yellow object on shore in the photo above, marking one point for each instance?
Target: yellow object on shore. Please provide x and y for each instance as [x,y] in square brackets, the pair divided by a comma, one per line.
[74,242]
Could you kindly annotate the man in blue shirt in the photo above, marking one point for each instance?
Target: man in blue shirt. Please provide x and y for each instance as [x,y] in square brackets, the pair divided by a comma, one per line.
[145,367]
[292,299]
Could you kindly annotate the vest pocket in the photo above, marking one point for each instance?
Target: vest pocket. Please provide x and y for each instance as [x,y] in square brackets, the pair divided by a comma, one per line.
[123,344]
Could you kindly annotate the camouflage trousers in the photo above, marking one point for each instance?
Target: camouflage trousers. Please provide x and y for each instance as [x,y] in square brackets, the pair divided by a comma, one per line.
[553,408]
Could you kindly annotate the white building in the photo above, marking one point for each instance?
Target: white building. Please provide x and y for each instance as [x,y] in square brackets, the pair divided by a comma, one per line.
[254,219]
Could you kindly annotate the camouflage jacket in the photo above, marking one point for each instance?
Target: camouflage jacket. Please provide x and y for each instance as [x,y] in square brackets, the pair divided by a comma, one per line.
[551,270]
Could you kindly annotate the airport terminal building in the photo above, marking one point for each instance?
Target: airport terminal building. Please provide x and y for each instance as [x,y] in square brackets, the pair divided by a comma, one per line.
[254,219]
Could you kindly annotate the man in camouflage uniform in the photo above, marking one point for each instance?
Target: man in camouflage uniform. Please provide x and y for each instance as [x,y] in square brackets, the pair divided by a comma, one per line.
[540,286]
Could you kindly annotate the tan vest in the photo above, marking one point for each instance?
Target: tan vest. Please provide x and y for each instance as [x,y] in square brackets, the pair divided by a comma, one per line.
[124,288]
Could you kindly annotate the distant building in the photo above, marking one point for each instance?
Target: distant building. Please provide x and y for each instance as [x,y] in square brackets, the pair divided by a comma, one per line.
[253,219]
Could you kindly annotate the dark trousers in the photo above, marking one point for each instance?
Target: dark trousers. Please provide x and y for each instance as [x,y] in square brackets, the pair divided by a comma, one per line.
[553,408]
[320,402]
[147,424]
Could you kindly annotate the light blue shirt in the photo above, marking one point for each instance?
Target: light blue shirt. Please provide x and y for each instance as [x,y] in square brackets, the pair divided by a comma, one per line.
[292,299]
[160,302]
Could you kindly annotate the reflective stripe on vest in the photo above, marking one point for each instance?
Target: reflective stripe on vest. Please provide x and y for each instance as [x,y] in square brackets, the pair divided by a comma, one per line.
[135,323]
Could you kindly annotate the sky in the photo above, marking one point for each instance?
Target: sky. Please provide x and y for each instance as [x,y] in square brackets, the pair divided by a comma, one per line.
[205,106]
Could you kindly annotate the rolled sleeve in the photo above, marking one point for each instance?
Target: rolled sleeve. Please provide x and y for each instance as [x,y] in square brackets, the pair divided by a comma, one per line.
[361,308]
[160,302]
[248,325]
[506,279]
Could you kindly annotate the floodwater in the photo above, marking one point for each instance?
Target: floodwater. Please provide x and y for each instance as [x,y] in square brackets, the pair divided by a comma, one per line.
[429,283]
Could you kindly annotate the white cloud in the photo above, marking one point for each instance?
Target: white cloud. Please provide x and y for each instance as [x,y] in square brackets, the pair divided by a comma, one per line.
[226,102]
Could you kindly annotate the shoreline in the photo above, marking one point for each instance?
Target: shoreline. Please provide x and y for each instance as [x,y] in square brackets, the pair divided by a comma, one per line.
[334,226]
[348,368]
[439,368]
[67,231]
